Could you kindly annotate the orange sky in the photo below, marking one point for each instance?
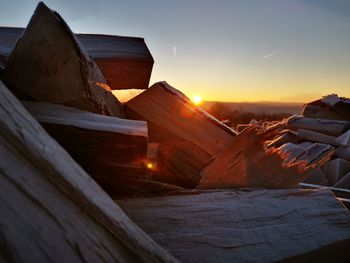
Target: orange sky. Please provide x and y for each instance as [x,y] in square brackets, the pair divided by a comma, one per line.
[257,50]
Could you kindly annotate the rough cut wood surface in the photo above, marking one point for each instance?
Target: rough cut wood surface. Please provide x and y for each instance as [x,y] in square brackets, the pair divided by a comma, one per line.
[247,226]
[245,163]
[125,62]
[102,145]
[188,137]
[48,64]
[51,210]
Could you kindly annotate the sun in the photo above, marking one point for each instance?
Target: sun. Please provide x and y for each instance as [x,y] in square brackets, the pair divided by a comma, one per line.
[197,100]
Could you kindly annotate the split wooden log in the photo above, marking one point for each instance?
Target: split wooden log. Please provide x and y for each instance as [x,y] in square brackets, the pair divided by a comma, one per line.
[49,65]
[188,137]
[247,226]
[344,182]
[51,210]
[125,62]
[335,170]
[329,127]
[246,163]
[102,145]
[317,112]
[317,137]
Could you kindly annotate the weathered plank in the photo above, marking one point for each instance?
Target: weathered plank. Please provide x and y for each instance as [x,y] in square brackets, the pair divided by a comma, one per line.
[49,65]
[188,137]
[102,145]
[51,210]
[125,62]
[247,226]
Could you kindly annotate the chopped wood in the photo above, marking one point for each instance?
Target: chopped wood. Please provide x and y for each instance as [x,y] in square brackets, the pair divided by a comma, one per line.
[135,187]
[316,176]
[329,127]
[317,112]
[125,62]
[49,65]
[188,137]
[344,139]
[247,226]
[336,169]
[245,163]
[102,145]
[51,210]
[344,182]
[317,137]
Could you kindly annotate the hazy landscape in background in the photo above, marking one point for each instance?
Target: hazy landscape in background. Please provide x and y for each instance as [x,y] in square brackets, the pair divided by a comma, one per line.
[234,113]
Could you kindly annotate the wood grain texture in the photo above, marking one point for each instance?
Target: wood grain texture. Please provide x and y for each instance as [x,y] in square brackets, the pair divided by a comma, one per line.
[246,163]
[188,137]
[48,64]
[51,210]
[125,62]
[247,226]
[102,145]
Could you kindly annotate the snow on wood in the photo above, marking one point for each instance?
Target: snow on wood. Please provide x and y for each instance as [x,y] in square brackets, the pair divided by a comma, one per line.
[247,225]
[125,62]
[58,69]
[51,210]
[330,127]
[188,137]
[102,145]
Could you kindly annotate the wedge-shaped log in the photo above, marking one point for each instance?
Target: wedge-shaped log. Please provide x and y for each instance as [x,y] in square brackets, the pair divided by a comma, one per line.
[49,65]
[247,226]
[125,62]
[51,210]
[102,145]
[188,137]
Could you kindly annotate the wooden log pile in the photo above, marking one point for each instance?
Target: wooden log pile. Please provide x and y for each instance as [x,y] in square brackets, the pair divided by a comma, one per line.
[62,129]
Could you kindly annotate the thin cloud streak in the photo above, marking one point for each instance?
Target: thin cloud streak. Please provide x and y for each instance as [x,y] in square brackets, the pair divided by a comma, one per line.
[272,54]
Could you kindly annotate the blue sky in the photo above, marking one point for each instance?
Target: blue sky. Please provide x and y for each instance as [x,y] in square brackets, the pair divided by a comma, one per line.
[238,50]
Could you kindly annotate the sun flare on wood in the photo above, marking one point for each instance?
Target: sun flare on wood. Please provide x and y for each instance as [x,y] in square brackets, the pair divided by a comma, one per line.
[197,100]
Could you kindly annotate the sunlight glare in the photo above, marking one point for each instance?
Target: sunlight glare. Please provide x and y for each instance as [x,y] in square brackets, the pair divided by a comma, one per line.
[197,100]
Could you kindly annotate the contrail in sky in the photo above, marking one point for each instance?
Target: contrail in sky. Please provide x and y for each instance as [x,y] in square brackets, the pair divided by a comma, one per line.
[267,56]
[174,51]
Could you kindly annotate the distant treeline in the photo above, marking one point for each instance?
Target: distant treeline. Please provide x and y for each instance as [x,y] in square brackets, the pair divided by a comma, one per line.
[224,112]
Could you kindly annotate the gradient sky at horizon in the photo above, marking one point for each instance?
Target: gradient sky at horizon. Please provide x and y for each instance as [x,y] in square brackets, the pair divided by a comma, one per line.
[234,50]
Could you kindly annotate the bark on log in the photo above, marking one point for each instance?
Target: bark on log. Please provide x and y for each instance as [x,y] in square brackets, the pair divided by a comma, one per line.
[247,226]
[51,210]
[49,65]
[102,145]
[188,137]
